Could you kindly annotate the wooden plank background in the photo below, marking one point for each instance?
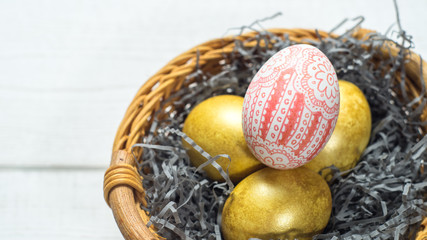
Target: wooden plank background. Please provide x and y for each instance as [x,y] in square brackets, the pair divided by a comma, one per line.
[69,69]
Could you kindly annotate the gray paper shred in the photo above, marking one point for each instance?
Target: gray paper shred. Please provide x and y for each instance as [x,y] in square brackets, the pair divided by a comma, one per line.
[383,197]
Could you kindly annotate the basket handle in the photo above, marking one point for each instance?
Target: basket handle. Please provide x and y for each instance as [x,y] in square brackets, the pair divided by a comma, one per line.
[123,185]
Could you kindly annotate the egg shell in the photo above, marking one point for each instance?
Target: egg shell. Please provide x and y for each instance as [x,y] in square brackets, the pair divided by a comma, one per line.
[291,107]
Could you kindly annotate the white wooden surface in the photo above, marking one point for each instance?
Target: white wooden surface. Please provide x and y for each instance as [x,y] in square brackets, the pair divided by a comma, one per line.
[69,69]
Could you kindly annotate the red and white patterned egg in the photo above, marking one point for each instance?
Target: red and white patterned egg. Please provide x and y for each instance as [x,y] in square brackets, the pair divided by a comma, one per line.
[291,107]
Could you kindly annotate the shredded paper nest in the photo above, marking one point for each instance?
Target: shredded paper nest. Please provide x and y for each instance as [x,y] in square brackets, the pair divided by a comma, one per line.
[381,198]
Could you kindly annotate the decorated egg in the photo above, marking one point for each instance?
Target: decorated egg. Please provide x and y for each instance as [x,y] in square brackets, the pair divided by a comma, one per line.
[216,125]
[351,134]
[276,204]
[291,107]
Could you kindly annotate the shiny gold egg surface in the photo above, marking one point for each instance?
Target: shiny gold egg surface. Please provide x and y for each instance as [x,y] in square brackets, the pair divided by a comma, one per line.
[277,204]
[216,125]
[351,134]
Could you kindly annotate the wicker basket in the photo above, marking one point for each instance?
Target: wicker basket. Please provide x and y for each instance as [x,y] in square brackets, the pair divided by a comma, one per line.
[123,189]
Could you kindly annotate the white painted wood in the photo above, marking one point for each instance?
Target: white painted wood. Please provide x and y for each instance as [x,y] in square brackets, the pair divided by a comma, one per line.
[54,204]
[69,69]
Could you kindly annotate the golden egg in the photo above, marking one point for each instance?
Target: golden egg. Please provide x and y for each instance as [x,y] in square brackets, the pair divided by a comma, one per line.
[277,204]
[351,134]
[216,125]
